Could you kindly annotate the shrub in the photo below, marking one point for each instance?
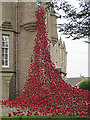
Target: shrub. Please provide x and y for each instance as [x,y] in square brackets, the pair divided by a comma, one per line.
[85,85]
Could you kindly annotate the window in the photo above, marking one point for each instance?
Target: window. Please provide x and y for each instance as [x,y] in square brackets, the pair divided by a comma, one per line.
[5,51]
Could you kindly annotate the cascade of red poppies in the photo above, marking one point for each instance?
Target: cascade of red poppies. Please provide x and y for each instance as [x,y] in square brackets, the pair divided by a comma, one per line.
[45,91]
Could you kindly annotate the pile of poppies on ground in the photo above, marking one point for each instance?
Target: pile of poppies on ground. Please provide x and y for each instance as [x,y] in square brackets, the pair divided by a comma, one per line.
[45,92]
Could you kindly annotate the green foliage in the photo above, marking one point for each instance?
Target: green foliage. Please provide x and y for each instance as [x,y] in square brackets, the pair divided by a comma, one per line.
[77,25]
[85,85]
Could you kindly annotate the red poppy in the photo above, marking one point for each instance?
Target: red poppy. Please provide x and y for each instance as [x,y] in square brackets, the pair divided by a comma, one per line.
[9,115]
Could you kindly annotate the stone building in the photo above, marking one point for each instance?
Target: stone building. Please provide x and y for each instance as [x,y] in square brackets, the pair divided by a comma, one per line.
[18,27]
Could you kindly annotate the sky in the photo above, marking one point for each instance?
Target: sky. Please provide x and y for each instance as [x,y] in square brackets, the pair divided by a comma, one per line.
[77,56]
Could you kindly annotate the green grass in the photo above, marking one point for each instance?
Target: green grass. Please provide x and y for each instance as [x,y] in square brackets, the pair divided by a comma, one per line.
[58,117]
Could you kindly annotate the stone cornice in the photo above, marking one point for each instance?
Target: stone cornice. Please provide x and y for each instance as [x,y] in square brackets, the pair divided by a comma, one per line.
[6,77]
[54,40]
[7,71]
[61,72]
[6,25]
[31,27]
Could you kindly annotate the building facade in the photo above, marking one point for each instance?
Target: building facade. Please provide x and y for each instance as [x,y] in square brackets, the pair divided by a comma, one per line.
[18,29]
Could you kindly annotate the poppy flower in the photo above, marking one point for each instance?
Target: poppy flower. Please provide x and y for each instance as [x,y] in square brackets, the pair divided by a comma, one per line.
[20,118]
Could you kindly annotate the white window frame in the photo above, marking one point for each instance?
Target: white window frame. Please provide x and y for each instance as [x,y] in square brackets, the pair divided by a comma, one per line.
[7,36]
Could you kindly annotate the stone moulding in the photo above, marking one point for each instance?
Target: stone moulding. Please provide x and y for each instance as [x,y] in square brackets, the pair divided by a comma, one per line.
[61,72]
[7,71]
[6,25]
[31,27]
[54,40]
[6,76]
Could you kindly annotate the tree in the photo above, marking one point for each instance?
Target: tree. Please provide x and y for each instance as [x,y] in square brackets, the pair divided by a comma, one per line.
[77,21]
[85,85]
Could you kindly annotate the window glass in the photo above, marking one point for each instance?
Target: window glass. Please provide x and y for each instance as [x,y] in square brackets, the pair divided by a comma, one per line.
[2,50]
[6,44]
[3,44]
[2,62]
[6,50]
[6,62]
[2,56]
[6,56]
[2,39]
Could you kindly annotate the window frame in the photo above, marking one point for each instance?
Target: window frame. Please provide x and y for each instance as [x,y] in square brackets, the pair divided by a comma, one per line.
[5,66]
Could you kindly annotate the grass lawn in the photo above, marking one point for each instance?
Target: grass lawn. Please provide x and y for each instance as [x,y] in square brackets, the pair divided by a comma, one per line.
[58,117]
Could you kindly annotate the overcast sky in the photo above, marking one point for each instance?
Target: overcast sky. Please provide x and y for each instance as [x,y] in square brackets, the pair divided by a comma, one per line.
[77,57]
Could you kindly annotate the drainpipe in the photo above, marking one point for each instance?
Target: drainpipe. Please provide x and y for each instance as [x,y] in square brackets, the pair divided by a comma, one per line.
[16,52]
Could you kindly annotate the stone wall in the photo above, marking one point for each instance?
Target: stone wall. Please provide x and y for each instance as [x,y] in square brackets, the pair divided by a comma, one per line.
[8,27]
[19,22]
[26,36]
